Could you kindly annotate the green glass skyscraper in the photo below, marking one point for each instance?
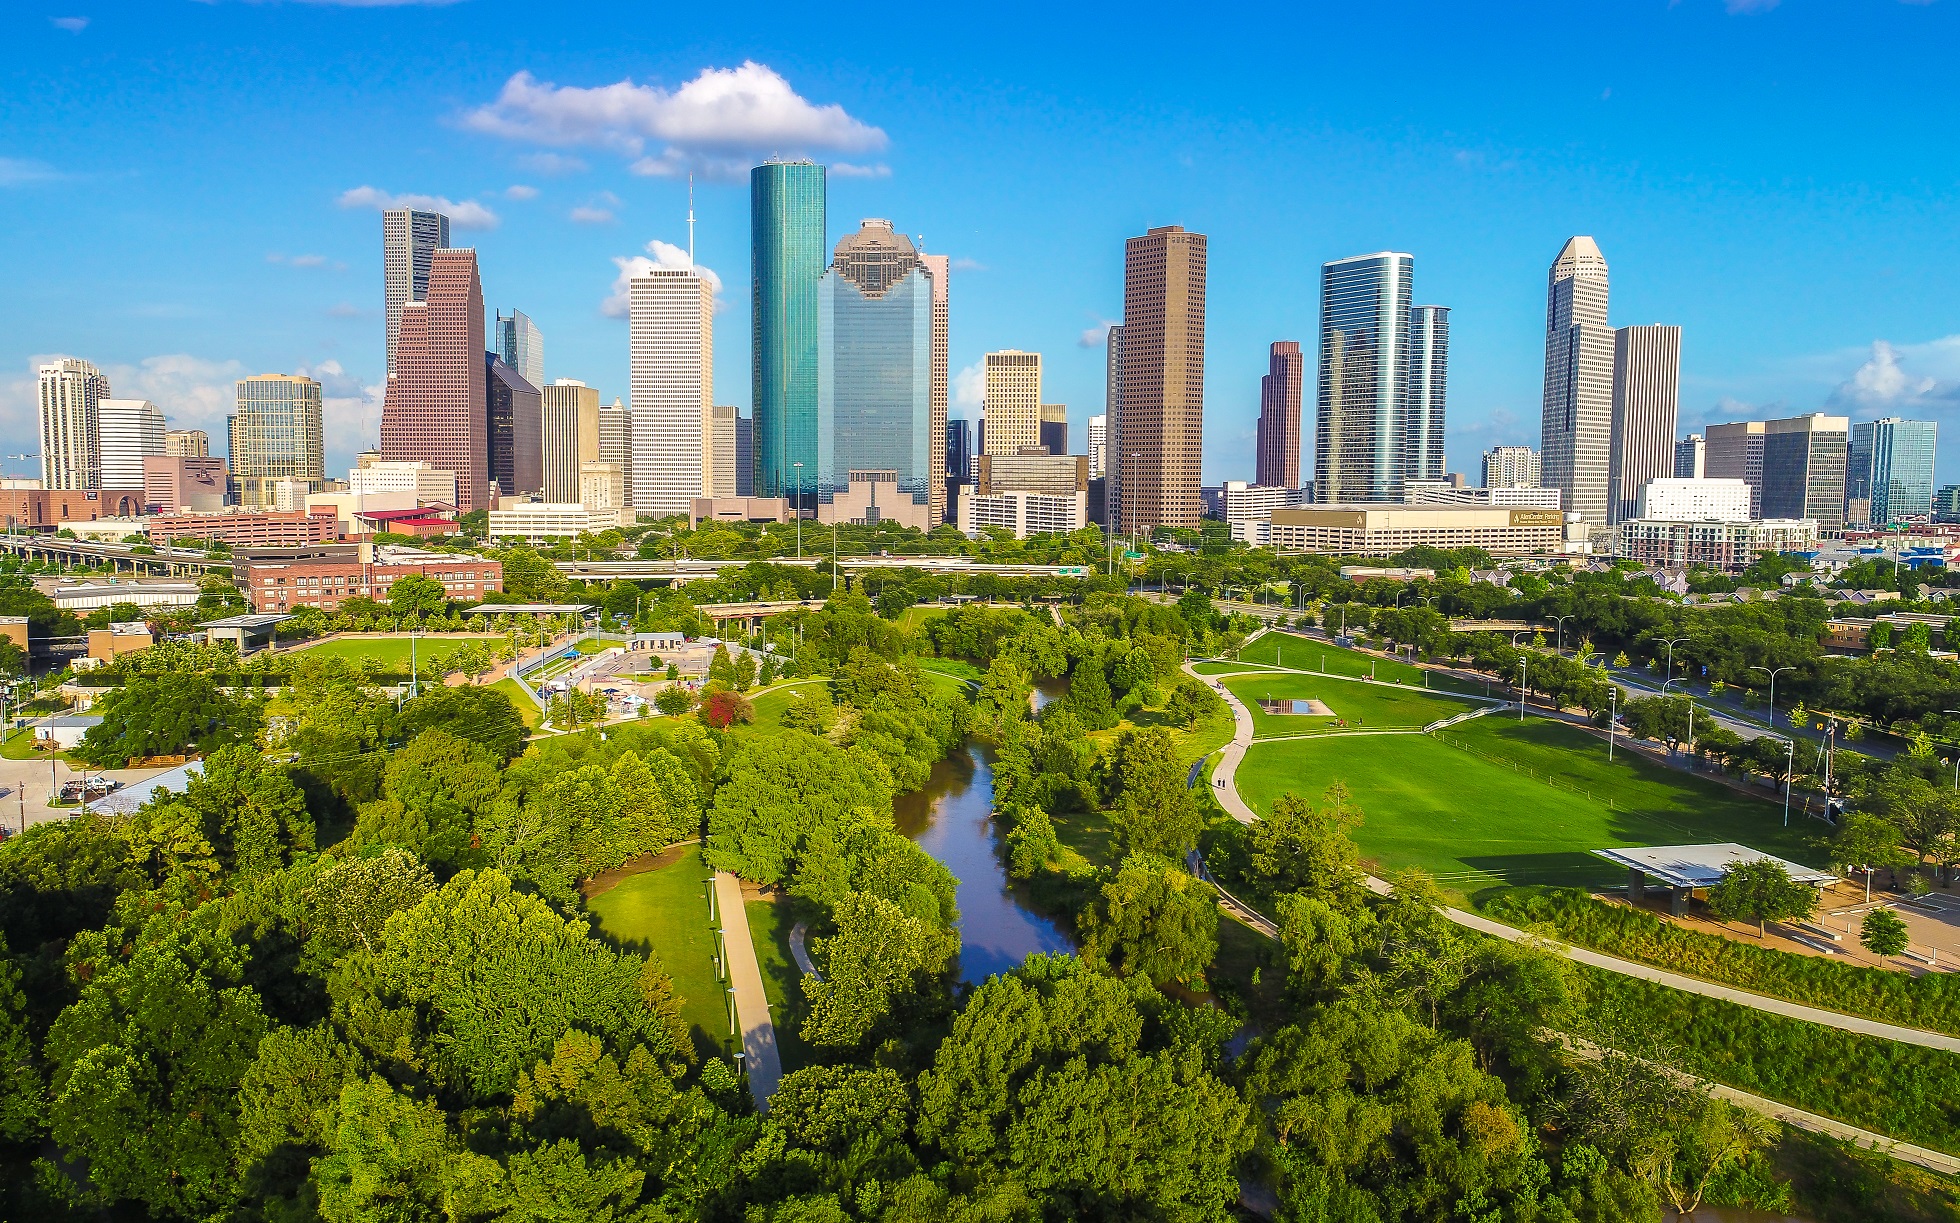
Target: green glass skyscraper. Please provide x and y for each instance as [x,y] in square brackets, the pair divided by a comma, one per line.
[787,258]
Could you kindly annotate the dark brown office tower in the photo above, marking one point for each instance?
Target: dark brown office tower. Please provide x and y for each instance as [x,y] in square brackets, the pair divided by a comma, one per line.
[513,428]
[1159,440]
[435,406]
[1278,464]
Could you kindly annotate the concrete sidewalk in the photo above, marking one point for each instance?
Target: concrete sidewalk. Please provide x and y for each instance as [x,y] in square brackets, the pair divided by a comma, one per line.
[763,1063]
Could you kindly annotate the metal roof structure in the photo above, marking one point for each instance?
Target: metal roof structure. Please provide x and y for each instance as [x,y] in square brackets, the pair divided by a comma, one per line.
[1702,866]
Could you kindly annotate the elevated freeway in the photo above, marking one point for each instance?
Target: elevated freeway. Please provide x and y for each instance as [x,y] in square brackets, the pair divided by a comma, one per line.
[169,561]
[647,570]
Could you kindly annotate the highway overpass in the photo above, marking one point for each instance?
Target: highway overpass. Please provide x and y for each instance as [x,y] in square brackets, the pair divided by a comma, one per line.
[948,566]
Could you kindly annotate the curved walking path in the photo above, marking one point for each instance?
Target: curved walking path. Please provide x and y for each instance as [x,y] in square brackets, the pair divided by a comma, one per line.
[1225,789]
[761,1060]
[799,950]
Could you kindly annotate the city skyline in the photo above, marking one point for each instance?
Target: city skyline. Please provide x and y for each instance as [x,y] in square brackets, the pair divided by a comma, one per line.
[239,253]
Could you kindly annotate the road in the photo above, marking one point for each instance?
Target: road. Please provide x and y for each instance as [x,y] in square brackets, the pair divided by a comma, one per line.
[1225,789]
[26,785]
[760,1057]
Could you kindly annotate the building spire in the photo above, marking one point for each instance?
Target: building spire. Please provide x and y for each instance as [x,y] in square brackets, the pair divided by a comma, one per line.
[690,220]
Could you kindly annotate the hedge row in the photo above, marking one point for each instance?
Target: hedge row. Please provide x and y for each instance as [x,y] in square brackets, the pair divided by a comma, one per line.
[1931,1002]
[1903,1091]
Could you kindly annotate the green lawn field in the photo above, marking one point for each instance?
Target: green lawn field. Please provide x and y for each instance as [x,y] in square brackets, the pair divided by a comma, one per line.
[667,910]
[1375,706]
[782,981]
[526,709]
[1227,668]
[392,653]
[1474,821]
[771,702]
[1305,654]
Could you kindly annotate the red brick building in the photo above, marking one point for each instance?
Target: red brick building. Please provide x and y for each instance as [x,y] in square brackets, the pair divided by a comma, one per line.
[288,586]
[260,530]
[43,509]
[436,409]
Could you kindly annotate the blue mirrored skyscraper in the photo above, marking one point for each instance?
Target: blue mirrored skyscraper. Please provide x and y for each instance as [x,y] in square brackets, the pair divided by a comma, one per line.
[1362,411]
[786,262]
[875,322]
[1889,474]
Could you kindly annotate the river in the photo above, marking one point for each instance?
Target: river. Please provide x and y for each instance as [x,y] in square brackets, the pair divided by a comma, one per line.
[951,818]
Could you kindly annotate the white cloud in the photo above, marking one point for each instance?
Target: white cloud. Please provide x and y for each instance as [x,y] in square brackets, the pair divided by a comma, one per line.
[551,163]
[349,408]
[588,215]
[662,255]
[345,310]
[1743,8]
[25,171]
[74,25]
[465,214]
[1881,382]
[518,191]
[304,261]
[715,124]
[844,169]
[964,264]
[970,386]
[1096,336]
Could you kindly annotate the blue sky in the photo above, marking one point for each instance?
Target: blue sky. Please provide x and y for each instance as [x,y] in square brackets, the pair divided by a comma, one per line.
[181,183]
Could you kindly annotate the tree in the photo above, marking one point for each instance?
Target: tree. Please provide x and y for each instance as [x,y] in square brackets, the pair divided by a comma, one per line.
[1190,701]
[1300,849]
[1884,933]
[722,709]
[1088,694]
[484,716]
[1762,891]
[673,700]
[530,578]
[1146,794]
[878,957]
[165,714]
[416,594]
[776,790]
[146,1065]
[1154,921]
[351,902]
[433,788]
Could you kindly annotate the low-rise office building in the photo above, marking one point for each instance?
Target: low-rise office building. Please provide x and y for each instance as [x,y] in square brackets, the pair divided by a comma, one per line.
[272,529]
[1691,500]
[1712,543]
[42,509]
[84,599]
[1444,492]
[285,586]
[538,521]
[1024,513]
[1236,499]
[1371,529]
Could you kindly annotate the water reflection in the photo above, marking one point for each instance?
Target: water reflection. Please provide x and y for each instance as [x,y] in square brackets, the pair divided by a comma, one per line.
[952,819]
[1047,692]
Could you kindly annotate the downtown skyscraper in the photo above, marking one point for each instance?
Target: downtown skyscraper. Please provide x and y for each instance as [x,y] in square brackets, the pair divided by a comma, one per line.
[786,267]
[521,345]
[131,430]
[71,398]
[436,408]
[1889,473]
[878,356]
[1157,428]
[1646,402]
[1429,367]
[409,240]
[1577,423]
[277,432]
[1361,403]
[1277,458]
[672,325]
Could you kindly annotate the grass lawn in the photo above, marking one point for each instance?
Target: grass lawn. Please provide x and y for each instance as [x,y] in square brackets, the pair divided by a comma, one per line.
[526,708]
[1378,706]
[1473,821]
[1226,668]
[392,653]
[770,921]
[667,910]
[1305,654]
[19,745]
[914,617]
[959,668]
[771,702]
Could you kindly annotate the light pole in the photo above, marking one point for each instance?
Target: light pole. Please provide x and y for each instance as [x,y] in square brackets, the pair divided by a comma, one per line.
[1524,673]
[1670,643]
[1612,717]
[1559,647]
[1772,689]
[1789,773]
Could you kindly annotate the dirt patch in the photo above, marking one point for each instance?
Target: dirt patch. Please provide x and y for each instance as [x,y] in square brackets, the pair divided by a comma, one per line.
[605,881]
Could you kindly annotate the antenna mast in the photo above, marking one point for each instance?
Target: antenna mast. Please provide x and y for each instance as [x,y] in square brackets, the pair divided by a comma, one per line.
[690,220]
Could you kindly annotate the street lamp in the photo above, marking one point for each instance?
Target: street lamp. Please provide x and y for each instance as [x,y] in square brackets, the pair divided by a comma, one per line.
[1612,717]
[1559,647]
[1670,643]
[1772,688]
[1789,773]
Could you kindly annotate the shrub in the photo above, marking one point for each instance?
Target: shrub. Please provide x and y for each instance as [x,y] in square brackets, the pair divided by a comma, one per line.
[1931,1002]
[724,708]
